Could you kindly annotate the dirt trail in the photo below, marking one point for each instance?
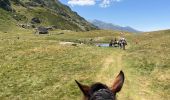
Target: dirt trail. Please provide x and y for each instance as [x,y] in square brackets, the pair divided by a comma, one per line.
[119,61]
[106,66]
[111,67]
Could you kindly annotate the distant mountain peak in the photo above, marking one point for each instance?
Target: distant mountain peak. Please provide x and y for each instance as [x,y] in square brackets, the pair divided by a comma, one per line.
[110,26]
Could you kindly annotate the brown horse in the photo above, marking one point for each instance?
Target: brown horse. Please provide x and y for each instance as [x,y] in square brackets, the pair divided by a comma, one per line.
[99,91]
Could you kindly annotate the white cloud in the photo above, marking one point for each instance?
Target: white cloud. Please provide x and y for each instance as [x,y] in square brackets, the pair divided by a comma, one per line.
[102,3]
[107,3]
[82,2]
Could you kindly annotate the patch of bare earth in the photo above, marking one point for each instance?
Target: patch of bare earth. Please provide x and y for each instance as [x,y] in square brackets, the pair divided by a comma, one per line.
[111,67]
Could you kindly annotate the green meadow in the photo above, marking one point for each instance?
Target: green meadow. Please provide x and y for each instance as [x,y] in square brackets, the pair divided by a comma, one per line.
[38,67]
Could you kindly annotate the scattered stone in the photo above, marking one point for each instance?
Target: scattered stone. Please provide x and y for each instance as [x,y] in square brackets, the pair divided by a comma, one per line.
[70,43]
[50,28]
[35,20]
[26,26]
[74,44]
[66,43]
[41,30]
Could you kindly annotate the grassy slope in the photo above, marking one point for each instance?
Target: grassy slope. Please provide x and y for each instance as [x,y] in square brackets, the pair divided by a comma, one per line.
[37,67]
[149,64]
[6,21]
[47,16]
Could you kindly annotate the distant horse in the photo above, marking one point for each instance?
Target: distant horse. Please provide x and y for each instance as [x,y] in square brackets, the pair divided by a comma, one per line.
[122,43]
[99,91]
[115,43]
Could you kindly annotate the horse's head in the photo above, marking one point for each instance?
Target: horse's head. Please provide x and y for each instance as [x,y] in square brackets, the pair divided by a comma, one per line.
[99,91]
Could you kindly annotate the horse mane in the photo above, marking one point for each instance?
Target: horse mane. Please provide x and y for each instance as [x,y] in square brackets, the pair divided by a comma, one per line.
[97,86]
[100,91]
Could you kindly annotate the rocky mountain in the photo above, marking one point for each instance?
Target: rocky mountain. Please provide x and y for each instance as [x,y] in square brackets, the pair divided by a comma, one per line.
[110,26]
[48,12]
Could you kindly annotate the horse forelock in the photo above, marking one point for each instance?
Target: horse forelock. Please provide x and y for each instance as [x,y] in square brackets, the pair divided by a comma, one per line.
[97,86]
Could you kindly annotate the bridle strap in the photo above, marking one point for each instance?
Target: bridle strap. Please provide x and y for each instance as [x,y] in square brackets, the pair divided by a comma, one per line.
[103,94]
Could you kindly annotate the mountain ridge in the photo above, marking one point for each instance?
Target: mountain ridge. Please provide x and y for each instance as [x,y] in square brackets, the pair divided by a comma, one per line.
[110,26]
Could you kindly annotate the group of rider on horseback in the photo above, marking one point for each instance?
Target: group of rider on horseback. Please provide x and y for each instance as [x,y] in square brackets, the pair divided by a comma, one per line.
[121,43]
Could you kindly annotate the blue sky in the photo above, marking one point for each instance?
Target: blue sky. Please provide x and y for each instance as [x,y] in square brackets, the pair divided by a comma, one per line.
[143,15]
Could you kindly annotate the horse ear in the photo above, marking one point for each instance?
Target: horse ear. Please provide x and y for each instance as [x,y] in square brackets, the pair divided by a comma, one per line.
[84,88]
[118,83]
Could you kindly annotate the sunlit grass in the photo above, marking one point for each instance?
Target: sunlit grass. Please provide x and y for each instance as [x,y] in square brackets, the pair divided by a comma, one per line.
[149,62]
[38,67]
[41,69]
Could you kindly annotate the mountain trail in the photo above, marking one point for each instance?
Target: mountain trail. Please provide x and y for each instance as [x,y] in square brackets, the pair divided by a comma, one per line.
[111,67]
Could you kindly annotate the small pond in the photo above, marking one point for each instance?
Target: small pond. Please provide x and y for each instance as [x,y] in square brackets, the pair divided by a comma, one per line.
[103,45]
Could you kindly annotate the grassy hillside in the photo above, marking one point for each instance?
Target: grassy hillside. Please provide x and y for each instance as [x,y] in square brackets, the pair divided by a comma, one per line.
[39,67]
[50,13]
[6,21]
[149,64]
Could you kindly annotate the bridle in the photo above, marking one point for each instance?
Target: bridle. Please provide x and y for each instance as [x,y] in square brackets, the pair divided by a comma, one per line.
[103,94]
